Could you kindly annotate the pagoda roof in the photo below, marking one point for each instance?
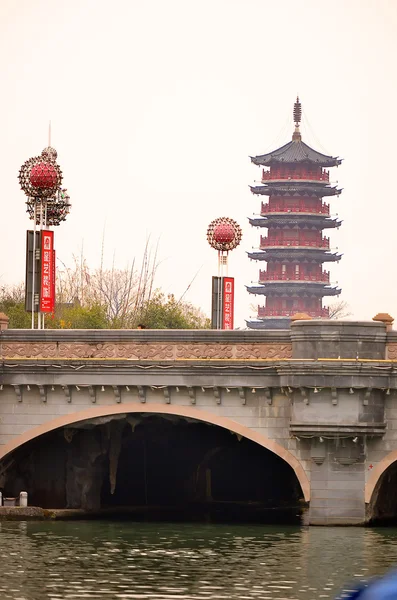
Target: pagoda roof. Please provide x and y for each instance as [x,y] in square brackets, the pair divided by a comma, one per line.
[311,189]
[295,254]
[288,287]
[295,151]
[291,220]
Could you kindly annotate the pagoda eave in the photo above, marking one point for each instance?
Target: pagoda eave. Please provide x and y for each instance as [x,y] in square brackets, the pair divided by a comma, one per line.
[289,288]
[267,160]
[269,323]
[294,219]
[294,254]
[295,152]
[292,189]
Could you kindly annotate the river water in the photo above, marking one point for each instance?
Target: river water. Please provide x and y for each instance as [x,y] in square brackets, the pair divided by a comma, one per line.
[126,560]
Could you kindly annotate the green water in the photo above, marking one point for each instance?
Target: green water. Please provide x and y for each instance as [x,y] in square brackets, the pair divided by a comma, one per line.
[127,560]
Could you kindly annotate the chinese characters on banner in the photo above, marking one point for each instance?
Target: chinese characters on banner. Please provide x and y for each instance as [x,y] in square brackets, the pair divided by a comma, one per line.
[47,287]
[228,303]
[53,282]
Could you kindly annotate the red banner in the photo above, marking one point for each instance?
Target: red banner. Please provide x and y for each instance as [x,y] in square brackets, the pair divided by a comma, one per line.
[54,262]
[228,303]
[47,286]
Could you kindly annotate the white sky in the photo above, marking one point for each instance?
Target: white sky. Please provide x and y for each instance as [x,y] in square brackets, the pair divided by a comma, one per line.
[156,107]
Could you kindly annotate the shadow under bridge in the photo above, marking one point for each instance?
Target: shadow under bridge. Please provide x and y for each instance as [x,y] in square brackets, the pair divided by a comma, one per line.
[155,465]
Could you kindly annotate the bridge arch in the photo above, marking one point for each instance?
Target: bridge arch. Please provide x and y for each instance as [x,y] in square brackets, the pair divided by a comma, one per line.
[183,411]
[376,474]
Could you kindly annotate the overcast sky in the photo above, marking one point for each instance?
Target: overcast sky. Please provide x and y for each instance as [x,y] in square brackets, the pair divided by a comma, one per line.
[156,107]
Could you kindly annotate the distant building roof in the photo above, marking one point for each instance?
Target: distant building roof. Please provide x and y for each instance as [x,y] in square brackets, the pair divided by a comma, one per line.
[272,323]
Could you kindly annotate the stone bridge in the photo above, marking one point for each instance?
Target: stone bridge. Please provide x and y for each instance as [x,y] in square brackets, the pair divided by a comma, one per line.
[322,396]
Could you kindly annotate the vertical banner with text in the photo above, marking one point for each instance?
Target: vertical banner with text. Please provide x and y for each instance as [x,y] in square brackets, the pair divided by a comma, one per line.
[228,303]
[54,262]
[47,287]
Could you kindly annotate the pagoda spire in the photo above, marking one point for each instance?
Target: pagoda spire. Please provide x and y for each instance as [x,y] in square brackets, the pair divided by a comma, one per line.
[296,136]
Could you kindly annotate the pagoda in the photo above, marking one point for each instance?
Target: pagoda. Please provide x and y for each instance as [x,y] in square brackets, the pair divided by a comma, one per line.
[295,179]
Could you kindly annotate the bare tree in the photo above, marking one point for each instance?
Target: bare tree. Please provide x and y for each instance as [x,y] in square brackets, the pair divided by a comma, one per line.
[339,310]
[117,290]
[124,292]
[13,293]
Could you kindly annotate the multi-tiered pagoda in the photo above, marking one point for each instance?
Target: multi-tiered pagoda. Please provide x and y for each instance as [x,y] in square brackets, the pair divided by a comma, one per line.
[296,180]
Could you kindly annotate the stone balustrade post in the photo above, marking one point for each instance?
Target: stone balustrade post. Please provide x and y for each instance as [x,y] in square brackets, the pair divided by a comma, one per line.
[4,320]
[23,499]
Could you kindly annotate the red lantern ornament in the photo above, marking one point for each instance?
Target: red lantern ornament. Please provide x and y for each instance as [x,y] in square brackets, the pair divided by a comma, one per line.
[40,177]
[224,234]
[43,175]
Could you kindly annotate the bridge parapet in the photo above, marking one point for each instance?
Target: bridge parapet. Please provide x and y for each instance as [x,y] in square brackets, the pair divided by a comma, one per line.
[157,345]
[338,339]
[312,339]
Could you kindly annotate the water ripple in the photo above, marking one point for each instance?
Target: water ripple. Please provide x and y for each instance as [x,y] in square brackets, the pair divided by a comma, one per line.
[129,561]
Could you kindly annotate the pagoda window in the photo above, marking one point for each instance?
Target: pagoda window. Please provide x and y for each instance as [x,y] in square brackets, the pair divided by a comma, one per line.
[312,202]
[283,269]
[289,303]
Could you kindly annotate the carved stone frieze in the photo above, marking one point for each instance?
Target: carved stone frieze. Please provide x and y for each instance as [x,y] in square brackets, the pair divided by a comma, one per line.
[28,350]
[77,350]
[204,351]
[127,351]
[391,351]
[146,351]
[154,351]
[252,351]
[81,350]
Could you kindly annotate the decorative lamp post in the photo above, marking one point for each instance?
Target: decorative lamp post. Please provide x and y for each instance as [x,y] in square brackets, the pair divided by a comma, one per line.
[223,234]
[48,204]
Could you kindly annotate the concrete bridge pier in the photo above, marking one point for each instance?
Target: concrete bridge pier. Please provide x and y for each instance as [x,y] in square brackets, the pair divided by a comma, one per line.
[341,413]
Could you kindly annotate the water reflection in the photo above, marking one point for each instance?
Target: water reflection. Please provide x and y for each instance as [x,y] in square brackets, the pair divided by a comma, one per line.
[188,562]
